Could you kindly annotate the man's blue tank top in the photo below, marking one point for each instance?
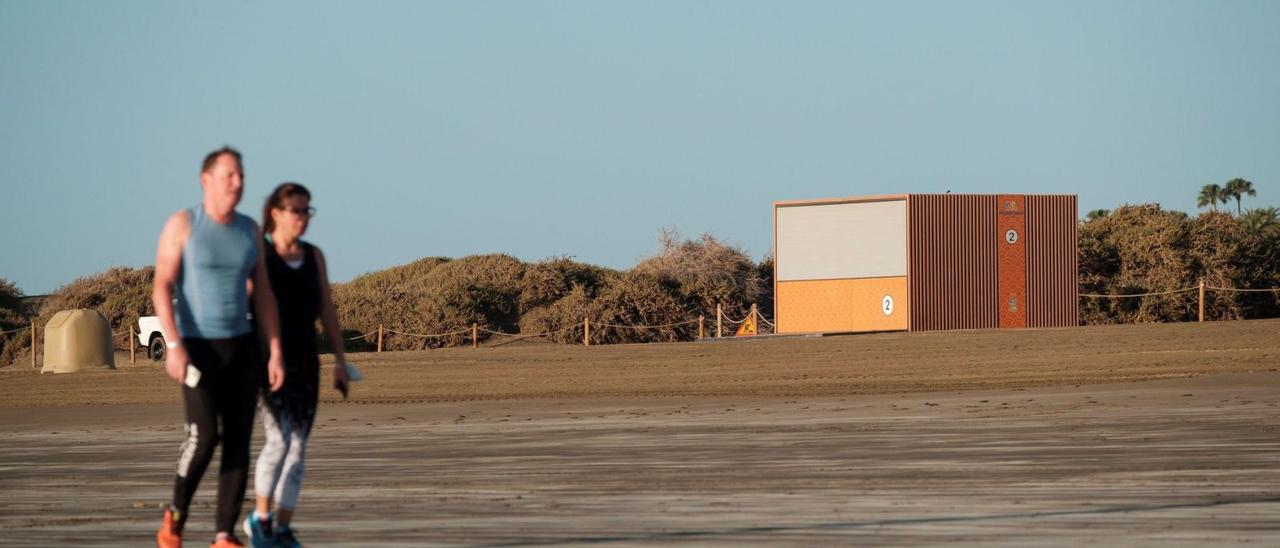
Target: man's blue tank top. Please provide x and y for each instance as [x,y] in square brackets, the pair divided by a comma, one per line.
[212,301]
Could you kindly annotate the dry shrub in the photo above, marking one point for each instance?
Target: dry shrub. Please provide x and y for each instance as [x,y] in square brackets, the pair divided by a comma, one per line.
[120,294]
[381,297]
[765,271]
[1215,251]
[1141,249]
[1135,249]
[640,299]
[562,319]
[13,315]
[448,297]
[1227,252]
[484,289]
[546,282]
[687,278]
[631,299]
[634,300]
[706,272]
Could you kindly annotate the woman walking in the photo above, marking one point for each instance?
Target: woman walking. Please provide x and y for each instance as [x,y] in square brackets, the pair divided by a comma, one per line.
[300,282]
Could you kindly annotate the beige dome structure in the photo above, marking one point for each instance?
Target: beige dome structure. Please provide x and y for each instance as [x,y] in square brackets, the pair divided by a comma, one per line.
[75,340]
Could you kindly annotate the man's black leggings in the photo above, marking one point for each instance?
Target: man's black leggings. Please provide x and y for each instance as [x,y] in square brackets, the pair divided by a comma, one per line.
[226,396]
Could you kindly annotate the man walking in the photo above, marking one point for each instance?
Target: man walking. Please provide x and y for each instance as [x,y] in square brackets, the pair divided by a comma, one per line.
[207,258]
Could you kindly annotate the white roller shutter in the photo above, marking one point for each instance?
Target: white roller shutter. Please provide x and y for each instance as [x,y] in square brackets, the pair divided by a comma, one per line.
[837,241]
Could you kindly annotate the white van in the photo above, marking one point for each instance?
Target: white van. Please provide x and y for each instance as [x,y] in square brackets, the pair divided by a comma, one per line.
[151,337]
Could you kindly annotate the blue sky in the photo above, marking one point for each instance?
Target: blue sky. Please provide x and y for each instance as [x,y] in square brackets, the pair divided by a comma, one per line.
[582,128]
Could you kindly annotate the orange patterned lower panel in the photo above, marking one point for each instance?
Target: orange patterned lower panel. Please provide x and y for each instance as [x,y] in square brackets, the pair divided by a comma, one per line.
[831,306]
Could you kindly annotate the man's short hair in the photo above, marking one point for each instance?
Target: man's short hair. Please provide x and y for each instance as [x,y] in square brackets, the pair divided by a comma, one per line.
[212,158]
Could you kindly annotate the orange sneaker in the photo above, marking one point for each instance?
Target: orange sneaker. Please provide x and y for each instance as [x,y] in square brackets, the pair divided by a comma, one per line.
[170,533]
[226,542]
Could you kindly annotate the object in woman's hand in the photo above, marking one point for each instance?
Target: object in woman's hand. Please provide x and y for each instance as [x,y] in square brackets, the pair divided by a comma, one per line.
[353,373]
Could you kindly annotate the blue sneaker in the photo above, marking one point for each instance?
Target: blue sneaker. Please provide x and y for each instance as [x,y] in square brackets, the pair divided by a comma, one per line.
[284,538]
[259,530]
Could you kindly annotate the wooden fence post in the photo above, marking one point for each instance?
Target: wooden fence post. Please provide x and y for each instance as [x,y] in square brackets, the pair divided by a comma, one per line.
[719,326]
[379,337]
[586,332]
[1202,299]
[475,340]
[33,344]
[702,320]
[133,347]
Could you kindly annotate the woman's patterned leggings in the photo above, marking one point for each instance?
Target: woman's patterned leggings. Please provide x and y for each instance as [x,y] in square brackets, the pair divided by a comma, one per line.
[281,463]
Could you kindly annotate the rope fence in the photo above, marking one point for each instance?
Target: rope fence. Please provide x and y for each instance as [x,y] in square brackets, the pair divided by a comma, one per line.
[1202,287]
[378,337]
[428,335]
[517,337]
[527,335]
[128,333]
[473,333]
[644,327]
[1129,295]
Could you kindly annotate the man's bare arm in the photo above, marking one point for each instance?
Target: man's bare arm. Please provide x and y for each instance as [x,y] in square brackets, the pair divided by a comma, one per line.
[168,267]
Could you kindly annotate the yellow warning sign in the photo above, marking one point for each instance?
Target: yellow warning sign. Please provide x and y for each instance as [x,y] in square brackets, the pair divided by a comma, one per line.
[748,327]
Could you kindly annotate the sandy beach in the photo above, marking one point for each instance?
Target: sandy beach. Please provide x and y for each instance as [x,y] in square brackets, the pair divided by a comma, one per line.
[1117,435]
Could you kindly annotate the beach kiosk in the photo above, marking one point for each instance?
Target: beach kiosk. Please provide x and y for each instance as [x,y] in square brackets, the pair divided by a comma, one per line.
[925,262]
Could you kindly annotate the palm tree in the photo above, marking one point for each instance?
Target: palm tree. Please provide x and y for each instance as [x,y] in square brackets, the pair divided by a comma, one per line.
[1239,187]
[1259,221]
[1210,195]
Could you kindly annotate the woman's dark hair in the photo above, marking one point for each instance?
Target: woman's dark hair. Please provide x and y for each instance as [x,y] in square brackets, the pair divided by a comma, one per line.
[276,200]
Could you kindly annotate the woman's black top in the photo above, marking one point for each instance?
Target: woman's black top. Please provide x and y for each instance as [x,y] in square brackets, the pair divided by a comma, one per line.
[298,301]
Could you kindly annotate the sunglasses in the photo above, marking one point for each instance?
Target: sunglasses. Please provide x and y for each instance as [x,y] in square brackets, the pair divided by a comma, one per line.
[300,211]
